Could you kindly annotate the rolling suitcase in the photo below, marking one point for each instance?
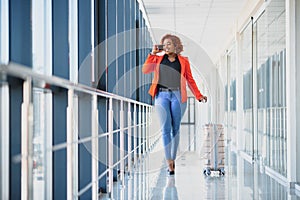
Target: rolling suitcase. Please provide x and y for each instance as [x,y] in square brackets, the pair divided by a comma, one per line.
[214,149]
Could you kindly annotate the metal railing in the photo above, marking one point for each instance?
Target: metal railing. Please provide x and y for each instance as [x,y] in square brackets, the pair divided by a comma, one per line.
[129,124]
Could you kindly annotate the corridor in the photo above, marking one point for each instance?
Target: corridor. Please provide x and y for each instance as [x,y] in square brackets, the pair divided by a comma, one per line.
[77,121]
[242,180]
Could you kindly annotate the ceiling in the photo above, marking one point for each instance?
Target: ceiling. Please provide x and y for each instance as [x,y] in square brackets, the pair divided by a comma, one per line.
[205,22]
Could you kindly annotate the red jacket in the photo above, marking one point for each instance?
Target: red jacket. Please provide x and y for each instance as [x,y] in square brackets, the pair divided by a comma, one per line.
[152,64]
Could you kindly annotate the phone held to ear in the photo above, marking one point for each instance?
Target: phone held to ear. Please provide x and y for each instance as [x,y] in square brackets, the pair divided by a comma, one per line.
[160,46]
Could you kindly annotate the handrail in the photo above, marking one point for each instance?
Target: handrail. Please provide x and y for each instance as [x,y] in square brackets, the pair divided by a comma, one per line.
[21,71]
[137,127]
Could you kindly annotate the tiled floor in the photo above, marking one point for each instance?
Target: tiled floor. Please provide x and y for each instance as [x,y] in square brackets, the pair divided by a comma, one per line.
[241,181]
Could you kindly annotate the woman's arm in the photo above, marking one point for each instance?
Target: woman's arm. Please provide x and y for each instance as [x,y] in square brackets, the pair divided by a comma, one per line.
[149,64]
[151,61]
[191,82]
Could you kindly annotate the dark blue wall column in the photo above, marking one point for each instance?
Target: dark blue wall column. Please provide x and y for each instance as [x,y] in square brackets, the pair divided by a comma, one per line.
[85,157]
[100,38]
[142,56]
[20,51]
[133,49]
[120,84]
[60,38]
[61,69]
[137,53]
[120,47]
[127,13]
[15,101]
[112,63]
[148,78]
[20,43]
[138,60]
[111,48]
[85,149]
[127,67]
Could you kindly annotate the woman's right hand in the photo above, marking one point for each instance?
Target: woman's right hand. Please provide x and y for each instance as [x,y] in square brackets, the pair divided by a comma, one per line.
[155,49]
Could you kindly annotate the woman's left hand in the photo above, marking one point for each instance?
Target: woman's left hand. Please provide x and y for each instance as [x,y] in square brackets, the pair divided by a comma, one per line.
[203,99]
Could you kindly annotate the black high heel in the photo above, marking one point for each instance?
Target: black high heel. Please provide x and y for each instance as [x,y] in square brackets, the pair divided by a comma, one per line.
[171,172]
[171,165]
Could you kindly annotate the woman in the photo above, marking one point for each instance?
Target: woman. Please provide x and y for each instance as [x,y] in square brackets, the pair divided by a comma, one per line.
[171,73]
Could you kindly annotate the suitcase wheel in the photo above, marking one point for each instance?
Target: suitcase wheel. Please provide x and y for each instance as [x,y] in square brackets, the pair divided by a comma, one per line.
[221,172]
[207,172]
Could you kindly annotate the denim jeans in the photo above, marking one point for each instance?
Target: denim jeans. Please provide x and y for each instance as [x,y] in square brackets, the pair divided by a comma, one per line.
[170,111]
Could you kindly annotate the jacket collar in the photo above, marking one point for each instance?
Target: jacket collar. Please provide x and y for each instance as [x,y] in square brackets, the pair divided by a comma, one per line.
[181,59]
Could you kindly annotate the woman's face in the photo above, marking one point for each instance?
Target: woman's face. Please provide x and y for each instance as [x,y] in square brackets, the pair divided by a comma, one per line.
[169,46]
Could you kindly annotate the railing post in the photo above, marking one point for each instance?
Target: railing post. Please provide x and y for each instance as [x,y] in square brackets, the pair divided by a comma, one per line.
[4,140]
[26,142]
[110,148]
[147,127]
[122,146]
[140,131]
[70,167]
[144,128]
[129,138]
[134,134]
[150,137]
[94,148]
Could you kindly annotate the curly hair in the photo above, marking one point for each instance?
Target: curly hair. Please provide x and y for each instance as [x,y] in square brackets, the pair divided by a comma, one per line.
[176,41]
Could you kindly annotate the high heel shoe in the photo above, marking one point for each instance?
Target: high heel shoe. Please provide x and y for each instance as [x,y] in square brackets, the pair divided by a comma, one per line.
[171,167]
[170,173]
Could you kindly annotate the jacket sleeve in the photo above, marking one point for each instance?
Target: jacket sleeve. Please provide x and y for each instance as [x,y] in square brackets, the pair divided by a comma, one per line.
[150,64]
[191,82]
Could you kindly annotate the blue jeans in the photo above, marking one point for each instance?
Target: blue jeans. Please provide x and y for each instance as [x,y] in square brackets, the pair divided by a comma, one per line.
[170,111]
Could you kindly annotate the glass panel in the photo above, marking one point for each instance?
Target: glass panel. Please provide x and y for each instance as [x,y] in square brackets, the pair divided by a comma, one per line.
[192,110]
[42,105]
[185,117]
[262,83]
[187,128]
[4,35]
[271,90]
[231,62]
[42,144]
[189,114]
[41,37]
[246,63]
[4,103]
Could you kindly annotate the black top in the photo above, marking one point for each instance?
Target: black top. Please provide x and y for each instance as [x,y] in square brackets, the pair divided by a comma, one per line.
[169,73]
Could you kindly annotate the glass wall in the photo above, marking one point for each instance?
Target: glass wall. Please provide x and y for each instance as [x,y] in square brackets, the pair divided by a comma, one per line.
[262,45]
[246,65]
[57,38]
[262,54]
[271,86]
[231,106]
[4,102]
[42,63]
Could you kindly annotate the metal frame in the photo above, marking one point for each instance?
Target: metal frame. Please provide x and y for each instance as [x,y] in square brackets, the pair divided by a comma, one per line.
[4,102]
[141,121]
[27,141]
[4,141]
[70,146]
[4,31]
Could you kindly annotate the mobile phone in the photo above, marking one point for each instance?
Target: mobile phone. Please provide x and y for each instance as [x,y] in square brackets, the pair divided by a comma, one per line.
[160,47]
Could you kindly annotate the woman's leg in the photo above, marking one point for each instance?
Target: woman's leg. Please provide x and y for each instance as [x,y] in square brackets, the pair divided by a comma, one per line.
[177,111]
[162,106]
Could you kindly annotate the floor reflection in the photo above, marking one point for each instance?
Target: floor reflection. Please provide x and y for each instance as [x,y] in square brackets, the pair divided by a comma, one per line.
[242,180]
[170,191]
[214,187]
